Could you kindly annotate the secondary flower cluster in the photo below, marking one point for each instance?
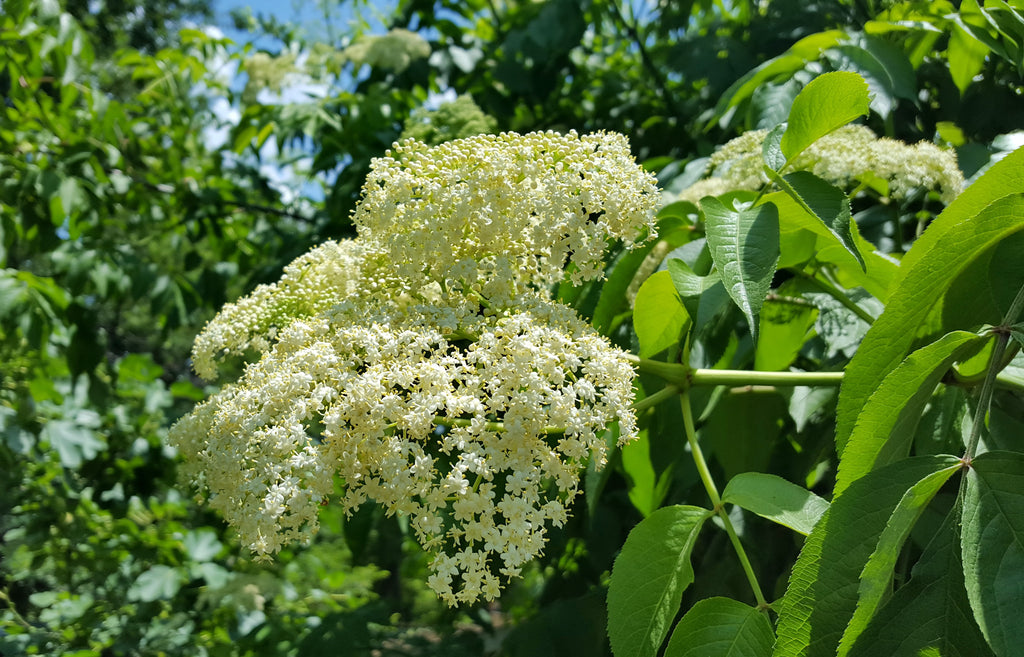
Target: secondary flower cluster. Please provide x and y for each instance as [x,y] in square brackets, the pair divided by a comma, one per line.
[849,156]
[423,364]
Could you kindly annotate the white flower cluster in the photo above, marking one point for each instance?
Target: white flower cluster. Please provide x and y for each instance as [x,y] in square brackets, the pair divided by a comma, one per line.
[454,391]
[504,214]
[849,156]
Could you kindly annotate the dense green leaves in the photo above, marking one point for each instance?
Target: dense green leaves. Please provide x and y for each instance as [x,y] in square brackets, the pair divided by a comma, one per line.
[929,614]
[824,587]
[929,269]
[649,578]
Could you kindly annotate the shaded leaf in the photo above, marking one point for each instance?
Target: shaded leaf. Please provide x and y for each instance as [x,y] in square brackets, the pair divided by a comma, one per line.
[876,579]
[930,612]
[993,548]
[722,627]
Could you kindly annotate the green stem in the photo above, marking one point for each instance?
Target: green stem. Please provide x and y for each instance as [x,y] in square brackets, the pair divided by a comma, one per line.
[716,500]
[684,377]
[735,378]
[839,296]
[985,399]
[656,398]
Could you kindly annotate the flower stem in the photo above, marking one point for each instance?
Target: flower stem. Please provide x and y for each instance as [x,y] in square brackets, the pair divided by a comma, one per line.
[716,501]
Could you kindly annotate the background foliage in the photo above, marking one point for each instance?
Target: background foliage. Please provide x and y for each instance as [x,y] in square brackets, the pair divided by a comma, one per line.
[151,171]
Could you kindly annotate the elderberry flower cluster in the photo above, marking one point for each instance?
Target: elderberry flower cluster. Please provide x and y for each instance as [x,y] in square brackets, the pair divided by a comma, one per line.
[850,156]
[450,389]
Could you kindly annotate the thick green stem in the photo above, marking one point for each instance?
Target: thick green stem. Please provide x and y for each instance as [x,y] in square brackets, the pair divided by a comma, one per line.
[684,377]
[735,378]
[716,500]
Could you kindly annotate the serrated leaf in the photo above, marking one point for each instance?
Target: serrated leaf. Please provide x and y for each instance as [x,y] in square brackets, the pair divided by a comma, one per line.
[823,200]
[649,577]
[927,273]
[886,425]
[744,245]
[931,611]
[993,548]
[776,499]
[658,315]
[828,102]
[823,588]
[721,627]
[876,578]
[962,232]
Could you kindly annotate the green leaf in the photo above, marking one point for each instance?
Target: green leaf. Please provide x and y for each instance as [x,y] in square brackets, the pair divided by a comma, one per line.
[966,57]
[744,245]
[612,300]
[647,488]
[826,202]
[744,427]
[993,548]
[962,232]
[828,102]
[785,327]
[886,426]
[785,65]
[721,627]
[658,315]
[823,588]
[771,149]
[202,544]
[931,611]
[158,583]
[74,442]
[795,221]
[649,577]
[876,578]
[776,499]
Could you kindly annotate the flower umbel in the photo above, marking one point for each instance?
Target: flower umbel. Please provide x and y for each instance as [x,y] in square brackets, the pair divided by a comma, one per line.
[454,391]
